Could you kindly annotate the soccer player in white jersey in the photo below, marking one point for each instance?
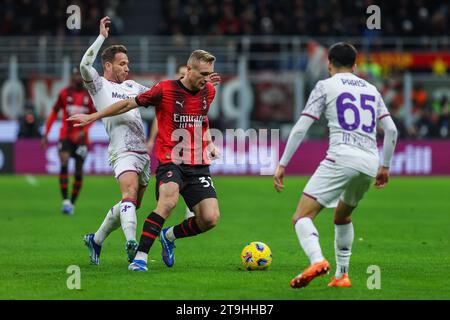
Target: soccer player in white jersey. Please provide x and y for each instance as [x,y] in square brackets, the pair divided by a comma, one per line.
[352,107]
[127,146]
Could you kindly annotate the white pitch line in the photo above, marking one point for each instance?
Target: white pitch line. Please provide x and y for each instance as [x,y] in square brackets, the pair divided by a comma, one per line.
[31,180]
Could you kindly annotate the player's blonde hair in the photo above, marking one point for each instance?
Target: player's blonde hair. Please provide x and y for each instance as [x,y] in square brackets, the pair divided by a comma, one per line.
[200,55]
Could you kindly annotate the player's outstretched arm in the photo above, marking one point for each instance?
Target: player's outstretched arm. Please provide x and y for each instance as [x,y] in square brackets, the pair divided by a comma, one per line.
[390,140]
[86,66]
[117,108]
[296,136]
[278,178]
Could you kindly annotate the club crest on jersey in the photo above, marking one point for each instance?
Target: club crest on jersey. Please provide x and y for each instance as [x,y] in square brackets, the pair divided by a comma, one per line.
[169,174]
[180,103]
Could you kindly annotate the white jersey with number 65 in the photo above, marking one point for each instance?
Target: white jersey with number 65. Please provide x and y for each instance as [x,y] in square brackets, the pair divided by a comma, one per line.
[352,107]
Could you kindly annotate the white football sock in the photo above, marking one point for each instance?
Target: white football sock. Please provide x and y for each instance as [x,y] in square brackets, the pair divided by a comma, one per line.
[141,256]
[111,223]
[343,239]
[170,235]
[309,239]
[128,219]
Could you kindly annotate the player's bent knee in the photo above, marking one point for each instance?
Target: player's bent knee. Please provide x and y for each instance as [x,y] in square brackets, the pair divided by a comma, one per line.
[208,223]
[208,217]
[213,219]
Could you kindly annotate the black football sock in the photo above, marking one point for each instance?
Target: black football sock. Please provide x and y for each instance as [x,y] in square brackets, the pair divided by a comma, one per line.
[152,227]
[63,181]
[188,228]
[76,187]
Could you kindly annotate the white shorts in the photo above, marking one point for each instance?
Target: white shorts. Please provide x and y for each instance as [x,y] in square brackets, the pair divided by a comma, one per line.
[133,162]
[332,182]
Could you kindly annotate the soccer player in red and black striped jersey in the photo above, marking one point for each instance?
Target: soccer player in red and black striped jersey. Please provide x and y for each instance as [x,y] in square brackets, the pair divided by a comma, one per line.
[73,141]
[184,151]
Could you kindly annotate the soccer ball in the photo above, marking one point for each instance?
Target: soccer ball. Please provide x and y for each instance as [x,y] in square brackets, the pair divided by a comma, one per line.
[256,256]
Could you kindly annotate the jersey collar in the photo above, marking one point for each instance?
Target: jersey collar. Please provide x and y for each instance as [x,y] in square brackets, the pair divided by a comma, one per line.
[186,89]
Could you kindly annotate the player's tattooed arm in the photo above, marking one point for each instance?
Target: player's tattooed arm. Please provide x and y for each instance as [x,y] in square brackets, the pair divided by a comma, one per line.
[86,66]
[117,108]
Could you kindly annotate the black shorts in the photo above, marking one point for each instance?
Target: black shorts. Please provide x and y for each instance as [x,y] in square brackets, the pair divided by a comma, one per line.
[194,181]
[77,151]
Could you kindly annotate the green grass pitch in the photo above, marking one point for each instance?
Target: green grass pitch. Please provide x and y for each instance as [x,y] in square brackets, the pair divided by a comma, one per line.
[403,229]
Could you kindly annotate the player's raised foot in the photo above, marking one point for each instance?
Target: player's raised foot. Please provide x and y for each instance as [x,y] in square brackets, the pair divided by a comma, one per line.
[94,249]
[343,282]
[168,247]
[318,269]
[67,207]
[131,249]
[138,265]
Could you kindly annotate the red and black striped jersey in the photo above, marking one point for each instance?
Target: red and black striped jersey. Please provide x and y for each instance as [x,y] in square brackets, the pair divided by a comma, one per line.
[182,121]
[71,102]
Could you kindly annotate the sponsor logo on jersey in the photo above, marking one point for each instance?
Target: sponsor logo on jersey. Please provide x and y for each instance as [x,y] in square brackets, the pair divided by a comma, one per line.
[180,103]
[122,96]
[188,120]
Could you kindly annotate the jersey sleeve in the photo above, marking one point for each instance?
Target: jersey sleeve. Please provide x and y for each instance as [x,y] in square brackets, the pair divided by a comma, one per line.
[382,110]
[141,88]
[151,97]
[91,106]
[316,102]
[95,85]
[92,81]
[296,136]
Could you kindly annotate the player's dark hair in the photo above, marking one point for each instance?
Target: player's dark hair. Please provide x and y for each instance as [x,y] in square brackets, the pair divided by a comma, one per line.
[342,54]
[109,53]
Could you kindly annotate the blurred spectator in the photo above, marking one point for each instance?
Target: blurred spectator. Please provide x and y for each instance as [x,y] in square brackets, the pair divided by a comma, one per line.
[305,17]
[29,122]
[420,112]
[370,70]
[49,17]
[236,17]
[392,93]
[440,115]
